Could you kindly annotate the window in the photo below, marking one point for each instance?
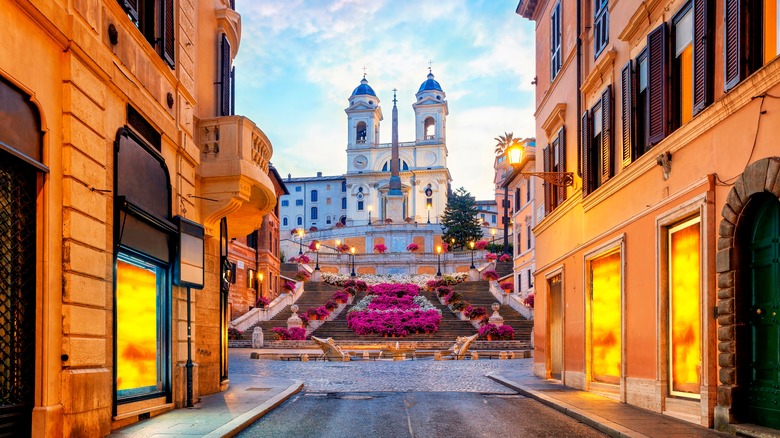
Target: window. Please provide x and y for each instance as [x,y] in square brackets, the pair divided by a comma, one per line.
[360,132]
[344,187]
[430,129]
[482,216]
[343,203]
[251,239]
[155,20]
[285,203]
[360,205]
[527,191]
[226,74]
[684,268]
[285,222]
[313,215]
[299,220]
[517,197]
[327,201]
[298,188]
[327,187]
[556,54]
[298,202]
[314,196]
[555,161]
[493,218]
[596,159]
[141,307]
[751,37]
[343,220]
[682,67]
[328,220]
[528,236]
[403,165]
[600,26]
[530,280]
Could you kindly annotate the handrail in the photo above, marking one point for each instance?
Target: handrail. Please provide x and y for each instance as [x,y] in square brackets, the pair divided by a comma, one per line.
[279,303]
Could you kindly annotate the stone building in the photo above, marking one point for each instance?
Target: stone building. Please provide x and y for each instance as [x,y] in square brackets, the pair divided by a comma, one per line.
[657,272]
[119,150]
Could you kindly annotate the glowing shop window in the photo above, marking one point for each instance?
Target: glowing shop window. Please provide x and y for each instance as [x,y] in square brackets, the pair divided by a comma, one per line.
[605,318]
[137,343]
[684,309]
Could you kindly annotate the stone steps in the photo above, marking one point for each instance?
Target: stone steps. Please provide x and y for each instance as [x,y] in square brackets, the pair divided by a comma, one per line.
[314,295]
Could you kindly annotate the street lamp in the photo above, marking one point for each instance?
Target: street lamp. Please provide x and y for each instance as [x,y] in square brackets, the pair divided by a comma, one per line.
[452,244]
[515,155]
[493,239]
[438,253]
[259,286]
[428,207]
[300,241]
[352,250]
[369,215]
[317,250]
[471,245]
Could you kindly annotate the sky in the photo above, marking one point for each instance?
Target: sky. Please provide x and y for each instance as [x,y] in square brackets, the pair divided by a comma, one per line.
[299,61]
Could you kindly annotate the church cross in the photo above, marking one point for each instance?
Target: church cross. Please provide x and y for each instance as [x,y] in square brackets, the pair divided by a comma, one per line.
[430,64]
[364,72]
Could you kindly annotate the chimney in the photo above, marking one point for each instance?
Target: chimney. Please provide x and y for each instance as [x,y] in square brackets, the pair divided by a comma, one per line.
[319,174]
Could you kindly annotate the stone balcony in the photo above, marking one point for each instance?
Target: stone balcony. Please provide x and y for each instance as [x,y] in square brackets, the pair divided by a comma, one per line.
[234,174]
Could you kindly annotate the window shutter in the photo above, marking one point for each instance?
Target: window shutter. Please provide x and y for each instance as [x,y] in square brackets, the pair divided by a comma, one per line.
[627,113]
[561,162]
[656,85]
[606,134]
[702,58]
[131,7]
[732,46]
[547,191]
[169,32]
[233,91]
[225,78]
[584,148]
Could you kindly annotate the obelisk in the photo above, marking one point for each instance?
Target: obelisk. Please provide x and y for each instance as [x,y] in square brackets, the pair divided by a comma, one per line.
[395,197]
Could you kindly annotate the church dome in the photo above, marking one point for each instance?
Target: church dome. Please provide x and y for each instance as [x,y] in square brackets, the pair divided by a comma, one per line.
[430,85]
[363,89]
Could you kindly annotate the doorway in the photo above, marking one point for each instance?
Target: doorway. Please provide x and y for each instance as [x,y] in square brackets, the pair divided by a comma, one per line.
[555,329]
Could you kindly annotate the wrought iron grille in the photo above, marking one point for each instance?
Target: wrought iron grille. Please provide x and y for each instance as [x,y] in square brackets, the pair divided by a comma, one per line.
[17,295]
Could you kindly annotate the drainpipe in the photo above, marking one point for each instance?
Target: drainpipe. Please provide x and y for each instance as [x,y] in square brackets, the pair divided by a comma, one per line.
[579,83]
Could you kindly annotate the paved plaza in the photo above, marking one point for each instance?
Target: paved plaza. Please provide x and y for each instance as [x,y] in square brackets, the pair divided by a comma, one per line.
[395,376]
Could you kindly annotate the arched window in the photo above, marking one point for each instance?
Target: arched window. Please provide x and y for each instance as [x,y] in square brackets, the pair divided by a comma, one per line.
[314,213]
[430,128]
[284,221]
[386,166]
[343,186]
[343,220]
[313,196]
[343,203]
[360,132]
[328,220]
[299,220]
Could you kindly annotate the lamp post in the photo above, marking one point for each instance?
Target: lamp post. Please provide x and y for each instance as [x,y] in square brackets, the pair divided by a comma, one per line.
[317,250]
[259,286]
[369,215]
[300,241]
[438,253]
[352,250]
[471,245]
[493,232]
[452,244]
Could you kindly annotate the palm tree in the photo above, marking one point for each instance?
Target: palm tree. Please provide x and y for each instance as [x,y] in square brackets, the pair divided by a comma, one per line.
[504,141]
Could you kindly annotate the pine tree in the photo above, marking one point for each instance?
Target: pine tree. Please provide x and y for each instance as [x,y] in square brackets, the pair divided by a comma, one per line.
[460,220]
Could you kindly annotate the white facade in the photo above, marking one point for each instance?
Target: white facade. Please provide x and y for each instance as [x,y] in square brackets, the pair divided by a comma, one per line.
[423,168]
[313,202]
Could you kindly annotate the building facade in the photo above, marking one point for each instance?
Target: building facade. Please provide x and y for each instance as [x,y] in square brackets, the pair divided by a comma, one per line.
[657,272]
[318,201]
[118,155]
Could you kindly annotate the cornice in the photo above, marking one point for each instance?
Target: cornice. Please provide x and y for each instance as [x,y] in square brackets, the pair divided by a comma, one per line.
[229,22]
[556,119]
[596,76]
[639,22]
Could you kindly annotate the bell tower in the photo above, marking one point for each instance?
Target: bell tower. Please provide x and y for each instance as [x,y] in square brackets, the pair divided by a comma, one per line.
[430,112]
[363,117]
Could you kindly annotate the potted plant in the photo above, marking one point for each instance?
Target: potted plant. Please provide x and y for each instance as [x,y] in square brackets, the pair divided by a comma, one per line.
[312,313]
[505,258]
[505,333]
[234,333]
[262,302]
[288,286]
[488,332]
[507,287]
[312,229]
[302,259]
[313,245]
[529,301]
[343,248]
[475,313]
[490,275]
[302,276]
[380,248]
[490,257]
[341,297]
[331,305]
[412,247]
[482,244]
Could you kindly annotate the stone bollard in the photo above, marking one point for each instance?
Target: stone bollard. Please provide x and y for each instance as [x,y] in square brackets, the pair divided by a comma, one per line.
[511,354]
[304,357]
[437,355]
[347,358]
[502,355]
[257,338]
[473,275]
[474,355]
[365,355]
[316,276]
[294,320]
[495,318]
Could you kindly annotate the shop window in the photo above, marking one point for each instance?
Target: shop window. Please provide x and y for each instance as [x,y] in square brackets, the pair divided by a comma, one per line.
[142,327]
[605,317]
[155,20]
[685,358]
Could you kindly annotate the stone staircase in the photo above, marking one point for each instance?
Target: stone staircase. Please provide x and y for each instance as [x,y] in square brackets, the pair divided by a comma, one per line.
[314,295]
[288,269]
[478,294]
[504,269]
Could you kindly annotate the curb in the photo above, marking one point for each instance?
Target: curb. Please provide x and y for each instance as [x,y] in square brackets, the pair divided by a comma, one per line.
[241,422]
[597,422]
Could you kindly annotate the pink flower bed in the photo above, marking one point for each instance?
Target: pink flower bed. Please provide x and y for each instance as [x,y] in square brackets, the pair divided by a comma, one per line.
[293,334]
[393,311]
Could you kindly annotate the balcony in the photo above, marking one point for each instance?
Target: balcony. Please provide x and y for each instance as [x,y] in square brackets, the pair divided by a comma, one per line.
[234,174]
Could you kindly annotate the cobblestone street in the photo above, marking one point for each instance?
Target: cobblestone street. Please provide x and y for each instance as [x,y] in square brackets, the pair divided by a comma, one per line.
[395,376]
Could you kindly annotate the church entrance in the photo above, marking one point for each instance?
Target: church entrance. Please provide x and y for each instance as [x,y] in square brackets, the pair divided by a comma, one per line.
[18,188]
[760,357]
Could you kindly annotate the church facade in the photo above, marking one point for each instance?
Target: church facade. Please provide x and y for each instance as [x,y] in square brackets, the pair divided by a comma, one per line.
[360,195]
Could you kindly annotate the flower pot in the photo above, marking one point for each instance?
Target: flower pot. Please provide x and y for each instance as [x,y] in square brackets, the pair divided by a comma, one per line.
[489,337]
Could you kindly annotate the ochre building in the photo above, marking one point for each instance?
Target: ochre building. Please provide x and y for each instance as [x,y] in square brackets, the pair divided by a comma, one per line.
[657,273]
[119,151]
